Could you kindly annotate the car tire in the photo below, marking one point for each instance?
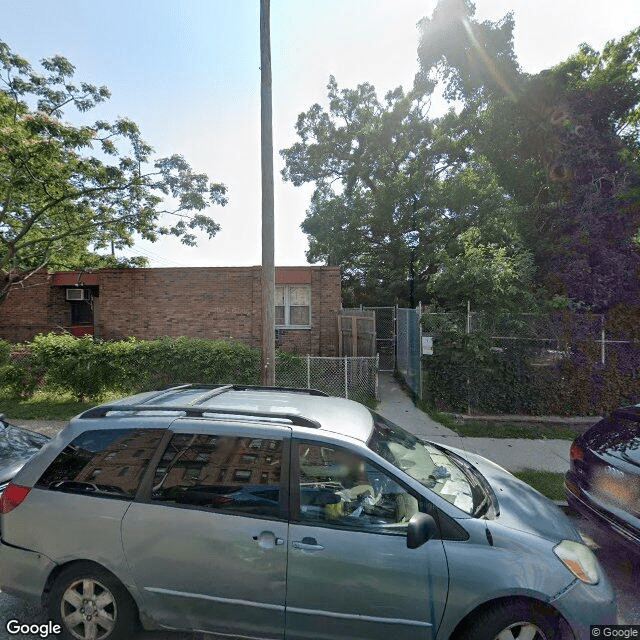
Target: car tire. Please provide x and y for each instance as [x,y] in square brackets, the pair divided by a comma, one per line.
[89,602]
[514,619]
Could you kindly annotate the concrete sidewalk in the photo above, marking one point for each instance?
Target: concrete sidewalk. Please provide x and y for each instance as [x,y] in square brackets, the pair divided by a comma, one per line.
[514,454]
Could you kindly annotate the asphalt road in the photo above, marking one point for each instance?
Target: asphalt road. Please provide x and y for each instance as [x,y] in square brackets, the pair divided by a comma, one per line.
[621,565]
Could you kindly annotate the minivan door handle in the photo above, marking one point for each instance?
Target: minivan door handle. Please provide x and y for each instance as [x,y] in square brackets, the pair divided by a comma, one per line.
[268,540]
[307,544]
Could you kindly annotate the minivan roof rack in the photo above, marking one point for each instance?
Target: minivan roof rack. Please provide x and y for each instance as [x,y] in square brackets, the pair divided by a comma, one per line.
[192,411]
[238,387]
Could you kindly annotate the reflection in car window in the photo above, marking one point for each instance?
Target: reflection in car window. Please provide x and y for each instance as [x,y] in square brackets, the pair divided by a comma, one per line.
[342,489]
[94,463]
[227,473]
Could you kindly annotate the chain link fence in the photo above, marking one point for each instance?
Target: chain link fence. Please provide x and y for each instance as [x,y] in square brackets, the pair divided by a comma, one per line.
[385,336]
[554,334]
[355,378]
[559,362]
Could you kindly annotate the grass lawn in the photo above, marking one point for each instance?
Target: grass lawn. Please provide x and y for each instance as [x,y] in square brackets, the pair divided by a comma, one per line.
[484,429]
[46,405]
[548,483]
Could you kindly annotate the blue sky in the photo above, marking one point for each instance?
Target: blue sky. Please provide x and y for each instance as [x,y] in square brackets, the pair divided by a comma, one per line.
[187,71]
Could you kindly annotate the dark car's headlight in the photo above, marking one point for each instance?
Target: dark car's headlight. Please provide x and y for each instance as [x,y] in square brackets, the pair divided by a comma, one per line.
[579,559]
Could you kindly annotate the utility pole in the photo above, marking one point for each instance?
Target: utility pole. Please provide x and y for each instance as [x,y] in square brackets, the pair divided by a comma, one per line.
[267,363]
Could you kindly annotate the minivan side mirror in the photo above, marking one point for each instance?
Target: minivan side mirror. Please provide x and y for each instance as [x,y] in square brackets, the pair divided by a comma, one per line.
[422,527]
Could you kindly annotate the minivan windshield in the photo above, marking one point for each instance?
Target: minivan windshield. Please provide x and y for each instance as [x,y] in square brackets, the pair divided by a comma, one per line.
[433,467]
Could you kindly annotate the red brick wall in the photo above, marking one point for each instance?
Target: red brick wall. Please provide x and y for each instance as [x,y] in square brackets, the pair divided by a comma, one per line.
[27,310]
[215,303]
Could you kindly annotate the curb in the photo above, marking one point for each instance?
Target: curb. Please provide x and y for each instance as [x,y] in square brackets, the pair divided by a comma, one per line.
[573,420]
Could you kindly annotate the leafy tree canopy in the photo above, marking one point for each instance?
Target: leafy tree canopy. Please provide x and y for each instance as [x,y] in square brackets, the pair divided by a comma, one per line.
[563,144]
[394,191]
[68,191]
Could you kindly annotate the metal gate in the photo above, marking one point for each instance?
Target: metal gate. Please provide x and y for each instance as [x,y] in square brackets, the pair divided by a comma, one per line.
[409,348]
[385,336]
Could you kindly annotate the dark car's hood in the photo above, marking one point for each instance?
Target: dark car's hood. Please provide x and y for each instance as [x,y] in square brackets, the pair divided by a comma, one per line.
[522,507]
[615,437]
[16,447]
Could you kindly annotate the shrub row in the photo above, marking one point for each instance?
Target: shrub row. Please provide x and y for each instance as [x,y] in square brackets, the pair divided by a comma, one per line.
[474,372]
[89,367]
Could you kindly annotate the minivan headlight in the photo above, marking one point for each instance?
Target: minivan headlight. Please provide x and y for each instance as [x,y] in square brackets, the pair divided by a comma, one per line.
[579,559]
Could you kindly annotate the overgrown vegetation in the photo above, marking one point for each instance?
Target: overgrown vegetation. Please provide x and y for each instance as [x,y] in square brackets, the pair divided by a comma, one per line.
[475,372]
[88,368]
[53,375]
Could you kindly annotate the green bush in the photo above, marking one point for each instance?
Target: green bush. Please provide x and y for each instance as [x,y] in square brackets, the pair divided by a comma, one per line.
[492,376]
[154,363]
[5,352]
[470,371]
[88,368]
[21,374]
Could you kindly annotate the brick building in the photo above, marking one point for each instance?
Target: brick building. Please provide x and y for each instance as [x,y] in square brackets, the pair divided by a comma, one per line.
[206,302]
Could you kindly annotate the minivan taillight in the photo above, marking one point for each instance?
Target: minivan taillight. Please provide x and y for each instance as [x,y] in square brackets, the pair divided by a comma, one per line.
[576,453]
[12,496]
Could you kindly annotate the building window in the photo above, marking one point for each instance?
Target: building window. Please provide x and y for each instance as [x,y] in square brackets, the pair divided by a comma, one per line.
[81,312]
[242,475]
[293,305]
[192,473]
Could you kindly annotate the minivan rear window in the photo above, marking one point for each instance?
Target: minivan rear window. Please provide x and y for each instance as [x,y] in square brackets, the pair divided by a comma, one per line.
[107,463]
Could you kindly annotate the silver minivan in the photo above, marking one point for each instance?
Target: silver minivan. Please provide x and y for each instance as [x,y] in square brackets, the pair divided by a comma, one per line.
[267,513]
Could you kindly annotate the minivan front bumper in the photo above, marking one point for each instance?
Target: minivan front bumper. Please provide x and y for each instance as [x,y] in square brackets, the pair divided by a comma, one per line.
[583,605]
[23,573]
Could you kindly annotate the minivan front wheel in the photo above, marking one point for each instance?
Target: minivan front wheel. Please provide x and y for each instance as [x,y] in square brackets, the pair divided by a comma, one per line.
[90,604]
[516,620]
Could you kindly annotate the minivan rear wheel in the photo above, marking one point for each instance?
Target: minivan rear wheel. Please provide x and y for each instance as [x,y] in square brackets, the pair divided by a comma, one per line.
[89,603]
[515,620]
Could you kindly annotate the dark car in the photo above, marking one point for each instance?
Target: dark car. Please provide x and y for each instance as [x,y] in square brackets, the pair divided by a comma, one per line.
[603,482]
[17,445]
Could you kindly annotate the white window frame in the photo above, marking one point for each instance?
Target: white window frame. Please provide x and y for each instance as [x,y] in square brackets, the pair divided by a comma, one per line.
[287,307]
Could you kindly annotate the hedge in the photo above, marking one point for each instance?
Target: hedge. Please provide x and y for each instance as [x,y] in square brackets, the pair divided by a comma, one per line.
[89,367]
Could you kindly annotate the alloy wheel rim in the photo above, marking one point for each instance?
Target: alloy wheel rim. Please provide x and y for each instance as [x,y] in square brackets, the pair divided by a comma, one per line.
[88,610]
[521,631]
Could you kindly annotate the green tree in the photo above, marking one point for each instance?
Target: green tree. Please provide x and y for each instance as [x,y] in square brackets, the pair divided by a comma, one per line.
[489,275]
[394,192]
[69,191]
[563,144]
[375,165]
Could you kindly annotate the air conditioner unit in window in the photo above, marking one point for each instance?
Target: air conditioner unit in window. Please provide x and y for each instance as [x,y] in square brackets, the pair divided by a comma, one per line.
[78,294]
